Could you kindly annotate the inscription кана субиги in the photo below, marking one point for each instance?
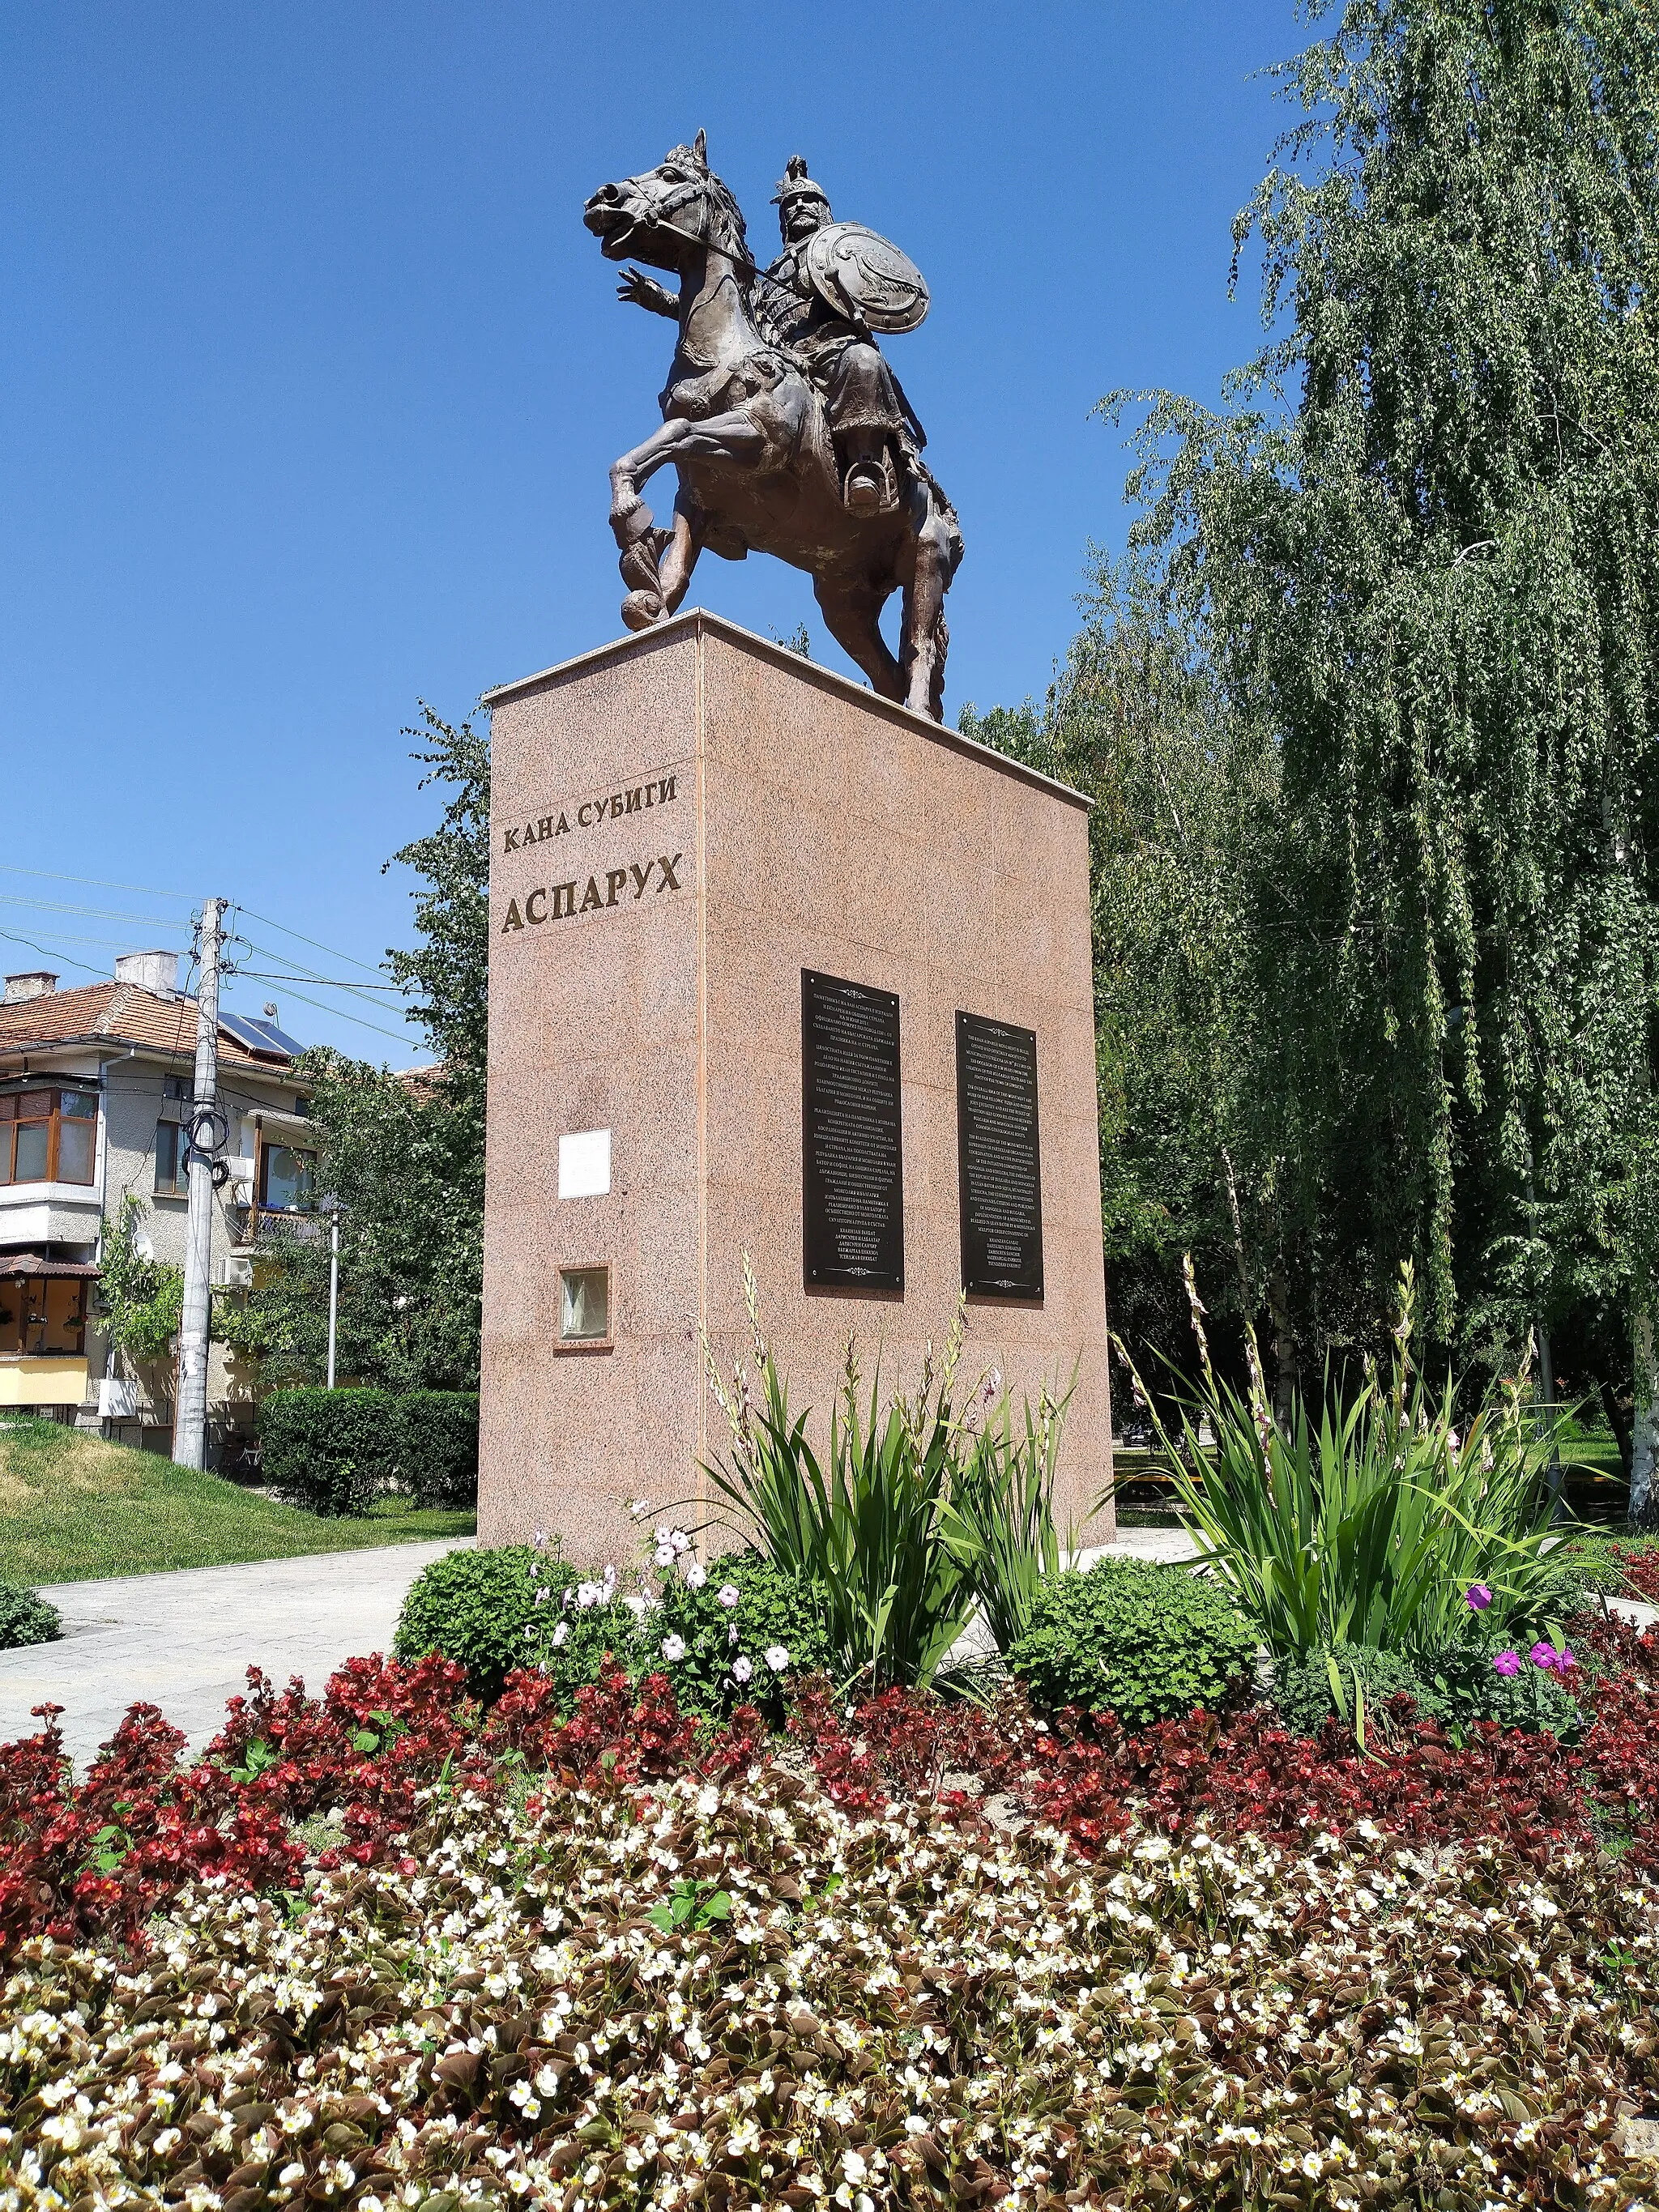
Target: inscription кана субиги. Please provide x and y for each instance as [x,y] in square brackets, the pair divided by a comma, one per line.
[638,799]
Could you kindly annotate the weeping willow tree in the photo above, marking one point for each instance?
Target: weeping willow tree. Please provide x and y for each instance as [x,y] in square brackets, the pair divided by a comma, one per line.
[1423,540]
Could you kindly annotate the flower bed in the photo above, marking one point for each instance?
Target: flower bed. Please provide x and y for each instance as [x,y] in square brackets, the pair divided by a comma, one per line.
[383,1949]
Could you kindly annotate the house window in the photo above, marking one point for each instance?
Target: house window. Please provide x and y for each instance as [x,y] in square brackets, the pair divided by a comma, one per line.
[48,1136]
[172,1160]
[287,1180]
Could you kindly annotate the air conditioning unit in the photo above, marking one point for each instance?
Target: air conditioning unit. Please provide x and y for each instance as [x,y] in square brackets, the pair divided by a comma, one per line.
[235,1273]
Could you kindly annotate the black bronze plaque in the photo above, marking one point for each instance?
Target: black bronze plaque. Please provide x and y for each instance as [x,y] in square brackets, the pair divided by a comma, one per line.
[850,1149]
[1000,1174]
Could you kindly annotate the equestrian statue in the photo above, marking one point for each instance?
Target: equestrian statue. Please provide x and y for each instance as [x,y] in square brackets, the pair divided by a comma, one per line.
[789,430]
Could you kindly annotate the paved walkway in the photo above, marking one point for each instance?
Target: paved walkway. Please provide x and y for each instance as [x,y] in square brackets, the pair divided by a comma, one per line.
[185,1641]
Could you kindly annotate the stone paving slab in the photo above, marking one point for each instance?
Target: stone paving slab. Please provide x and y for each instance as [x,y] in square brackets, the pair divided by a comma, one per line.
[185,1640]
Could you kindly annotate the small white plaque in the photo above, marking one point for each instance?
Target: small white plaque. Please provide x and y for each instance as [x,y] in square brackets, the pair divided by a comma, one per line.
[584,1164]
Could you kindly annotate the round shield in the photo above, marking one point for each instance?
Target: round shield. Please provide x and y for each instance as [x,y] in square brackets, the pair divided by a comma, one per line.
[860,275]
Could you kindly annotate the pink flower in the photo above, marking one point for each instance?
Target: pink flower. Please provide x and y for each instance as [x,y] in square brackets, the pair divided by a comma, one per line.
[1477,1597]
[1508,1662]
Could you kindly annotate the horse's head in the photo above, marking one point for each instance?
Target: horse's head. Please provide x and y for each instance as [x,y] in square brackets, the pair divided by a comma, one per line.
[679,207]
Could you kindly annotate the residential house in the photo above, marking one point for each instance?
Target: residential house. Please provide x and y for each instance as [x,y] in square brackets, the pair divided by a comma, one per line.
[95,1091]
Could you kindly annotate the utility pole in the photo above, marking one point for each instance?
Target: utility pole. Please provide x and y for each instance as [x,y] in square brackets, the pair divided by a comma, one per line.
[189,1421]
[331,1207]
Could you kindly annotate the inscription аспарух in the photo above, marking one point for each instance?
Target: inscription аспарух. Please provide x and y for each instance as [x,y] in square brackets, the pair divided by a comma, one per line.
[559,902]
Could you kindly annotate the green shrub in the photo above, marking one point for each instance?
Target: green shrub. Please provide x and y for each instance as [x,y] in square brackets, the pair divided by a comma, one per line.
[335,1451]
[519,1606]
[25,1618]
[1456,1687]
[1147,1643]
[496,1610]
[775,1612]
[437,1446]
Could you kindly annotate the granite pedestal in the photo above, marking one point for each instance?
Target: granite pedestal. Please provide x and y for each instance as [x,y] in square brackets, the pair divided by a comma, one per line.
[685,825]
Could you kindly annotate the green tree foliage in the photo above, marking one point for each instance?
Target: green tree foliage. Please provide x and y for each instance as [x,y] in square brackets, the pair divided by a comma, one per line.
[1423,545]
[403,1154]
[140,1301]
[1183,793]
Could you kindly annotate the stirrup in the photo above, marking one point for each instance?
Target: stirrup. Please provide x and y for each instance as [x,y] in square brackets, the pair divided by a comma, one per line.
[866,491]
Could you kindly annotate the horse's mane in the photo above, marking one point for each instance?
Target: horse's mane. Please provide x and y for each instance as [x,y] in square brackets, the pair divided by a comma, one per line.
[730,234]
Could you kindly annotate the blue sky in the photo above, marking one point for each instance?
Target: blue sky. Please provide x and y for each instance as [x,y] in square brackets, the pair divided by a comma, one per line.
[310,377]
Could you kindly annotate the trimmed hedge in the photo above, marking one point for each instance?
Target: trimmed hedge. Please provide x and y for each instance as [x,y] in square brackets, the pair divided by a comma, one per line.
[25,1618]
[1128,1637]
[519,1607]
[335,1451]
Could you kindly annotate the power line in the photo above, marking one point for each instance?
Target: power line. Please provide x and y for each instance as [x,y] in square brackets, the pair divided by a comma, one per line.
[349,958]
[340,1014]
[265,975]
[68,959]
[98,912]
[100,882]
[360,990]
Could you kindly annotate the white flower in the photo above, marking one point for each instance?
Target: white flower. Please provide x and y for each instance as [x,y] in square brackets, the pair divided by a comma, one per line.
[636,1605]
[539,1539]
[679,1540]
[741,1668]
[589,1594]
[665,1555]
[561,1631]
[696,1576]
[776,1658]
[611,1577]
[708,1800]
[662,1534]
[731,1633]
[727,1594]
[640,1508]
[916,2125]
[673,1647]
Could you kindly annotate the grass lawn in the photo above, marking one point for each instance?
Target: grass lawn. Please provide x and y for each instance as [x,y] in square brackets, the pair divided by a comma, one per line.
[72,1508]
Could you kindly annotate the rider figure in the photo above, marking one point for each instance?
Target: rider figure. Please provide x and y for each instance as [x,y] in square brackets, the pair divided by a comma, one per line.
[868,413]
[861,395]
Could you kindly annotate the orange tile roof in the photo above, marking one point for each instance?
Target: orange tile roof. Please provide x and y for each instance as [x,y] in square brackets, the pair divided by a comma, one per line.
[123,1013]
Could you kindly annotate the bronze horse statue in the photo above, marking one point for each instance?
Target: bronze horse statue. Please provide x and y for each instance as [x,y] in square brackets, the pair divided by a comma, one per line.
[745,425]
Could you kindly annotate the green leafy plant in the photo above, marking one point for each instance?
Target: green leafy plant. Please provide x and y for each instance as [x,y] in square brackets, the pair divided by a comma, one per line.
[498,1609]
[1370,1521]
[1353,1684]
[865,1526]
[25,1618]
[998,1517]
[140,1301]
[1145,1642]
[691,1905]
[743,1606]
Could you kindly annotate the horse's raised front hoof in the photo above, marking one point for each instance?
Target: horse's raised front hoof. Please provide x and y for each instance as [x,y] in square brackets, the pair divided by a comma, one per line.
[640,610]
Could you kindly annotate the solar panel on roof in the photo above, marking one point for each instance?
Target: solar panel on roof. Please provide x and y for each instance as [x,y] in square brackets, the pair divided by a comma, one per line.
[258,1036]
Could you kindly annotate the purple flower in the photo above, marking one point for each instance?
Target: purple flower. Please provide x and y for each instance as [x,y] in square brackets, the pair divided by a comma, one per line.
[1545,1655]
[1508,1662]
[1477,1597]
